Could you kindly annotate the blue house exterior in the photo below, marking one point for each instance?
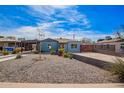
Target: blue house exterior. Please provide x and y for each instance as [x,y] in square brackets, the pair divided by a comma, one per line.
[73,46]
[68,45]
[44,45]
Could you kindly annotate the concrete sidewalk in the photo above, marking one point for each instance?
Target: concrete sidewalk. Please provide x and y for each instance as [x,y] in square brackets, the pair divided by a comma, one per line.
[41,85]
[8,57]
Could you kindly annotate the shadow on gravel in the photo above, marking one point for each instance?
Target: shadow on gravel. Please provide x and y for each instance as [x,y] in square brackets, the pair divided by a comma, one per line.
[95,62]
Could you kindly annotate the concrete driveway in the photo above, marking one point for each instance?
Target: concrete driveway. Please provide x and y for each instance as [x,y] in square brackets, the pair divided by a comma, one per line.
[99,56]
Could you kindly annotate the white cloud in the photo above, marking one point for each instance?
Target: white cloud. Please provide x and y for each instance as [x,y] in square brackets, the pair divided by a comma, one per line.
[67,13]
[26,29]
[61,6]
[30,32]
[52,17]
[46,10]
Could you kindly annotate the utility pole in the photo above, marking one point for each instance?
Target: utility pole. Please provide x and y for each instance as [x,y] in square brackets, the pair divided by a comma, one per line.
[73,36]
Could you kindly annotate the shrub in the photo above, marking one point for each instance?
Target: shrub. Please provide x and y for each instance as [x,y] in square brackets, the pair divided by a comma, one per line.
[66,55]
[13,52]
[36,52]
[5,52]
[52,51]
[70,56]
[61,51]
[118,68]
[1,36]
[17,50]
[18,56]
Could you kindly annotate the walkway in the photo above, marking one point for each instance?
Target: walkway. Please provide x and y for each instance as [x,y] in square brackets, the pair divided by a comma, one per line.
[7,57]
[41,85]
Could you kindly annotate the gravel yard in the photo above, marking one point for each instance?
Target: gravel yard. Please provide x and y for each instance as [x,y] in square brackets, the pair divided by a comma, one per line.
[53,69]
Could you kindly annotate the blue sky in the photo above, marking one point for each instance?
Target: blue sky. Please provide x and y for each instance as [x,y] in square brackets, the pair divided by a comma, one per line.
[92,22]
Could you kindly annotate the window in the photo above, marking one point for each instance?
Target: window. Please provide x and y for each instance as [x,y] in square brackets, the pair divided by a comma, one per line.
[122,46]
[49,46]
[73,45]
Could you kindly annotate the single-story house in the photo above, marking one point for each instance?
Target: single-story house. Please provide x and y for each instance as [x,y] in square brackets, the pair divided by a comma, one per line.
[63,43]
[46,43]
[67,44]
[110,46]
[73,46]
[28,45]
[9,44]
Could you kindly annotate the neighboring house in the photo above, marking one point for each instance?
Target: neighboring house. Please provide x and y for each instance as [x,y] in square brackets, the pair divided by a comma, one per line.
[28,45]
[110,46]
[67,44]
[9,44]
[46,43]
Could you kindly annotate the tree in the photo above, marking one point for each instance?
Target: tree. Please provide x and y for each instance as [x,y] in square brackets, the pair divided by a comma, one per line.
[100,40]
[87,40]
[108,37]
[11,37]
[119,33]
[41,37]
[1,36]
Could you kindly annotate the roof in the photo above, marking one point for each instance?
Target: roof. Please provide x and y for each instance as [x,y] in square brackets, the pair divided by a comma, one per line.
[8,40]
[74,41]
[62,40]
[59,40]
[49,40]
[30,41]
[112,40]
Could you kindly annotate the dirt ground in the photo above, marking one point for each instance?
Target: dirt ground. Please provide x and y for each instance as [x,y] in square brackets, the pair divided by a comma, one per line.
[53,69]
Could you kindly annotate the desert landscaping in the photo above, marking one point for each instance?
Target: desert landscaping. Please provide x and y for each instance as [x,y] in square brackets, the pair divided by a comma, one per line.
[53,69]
